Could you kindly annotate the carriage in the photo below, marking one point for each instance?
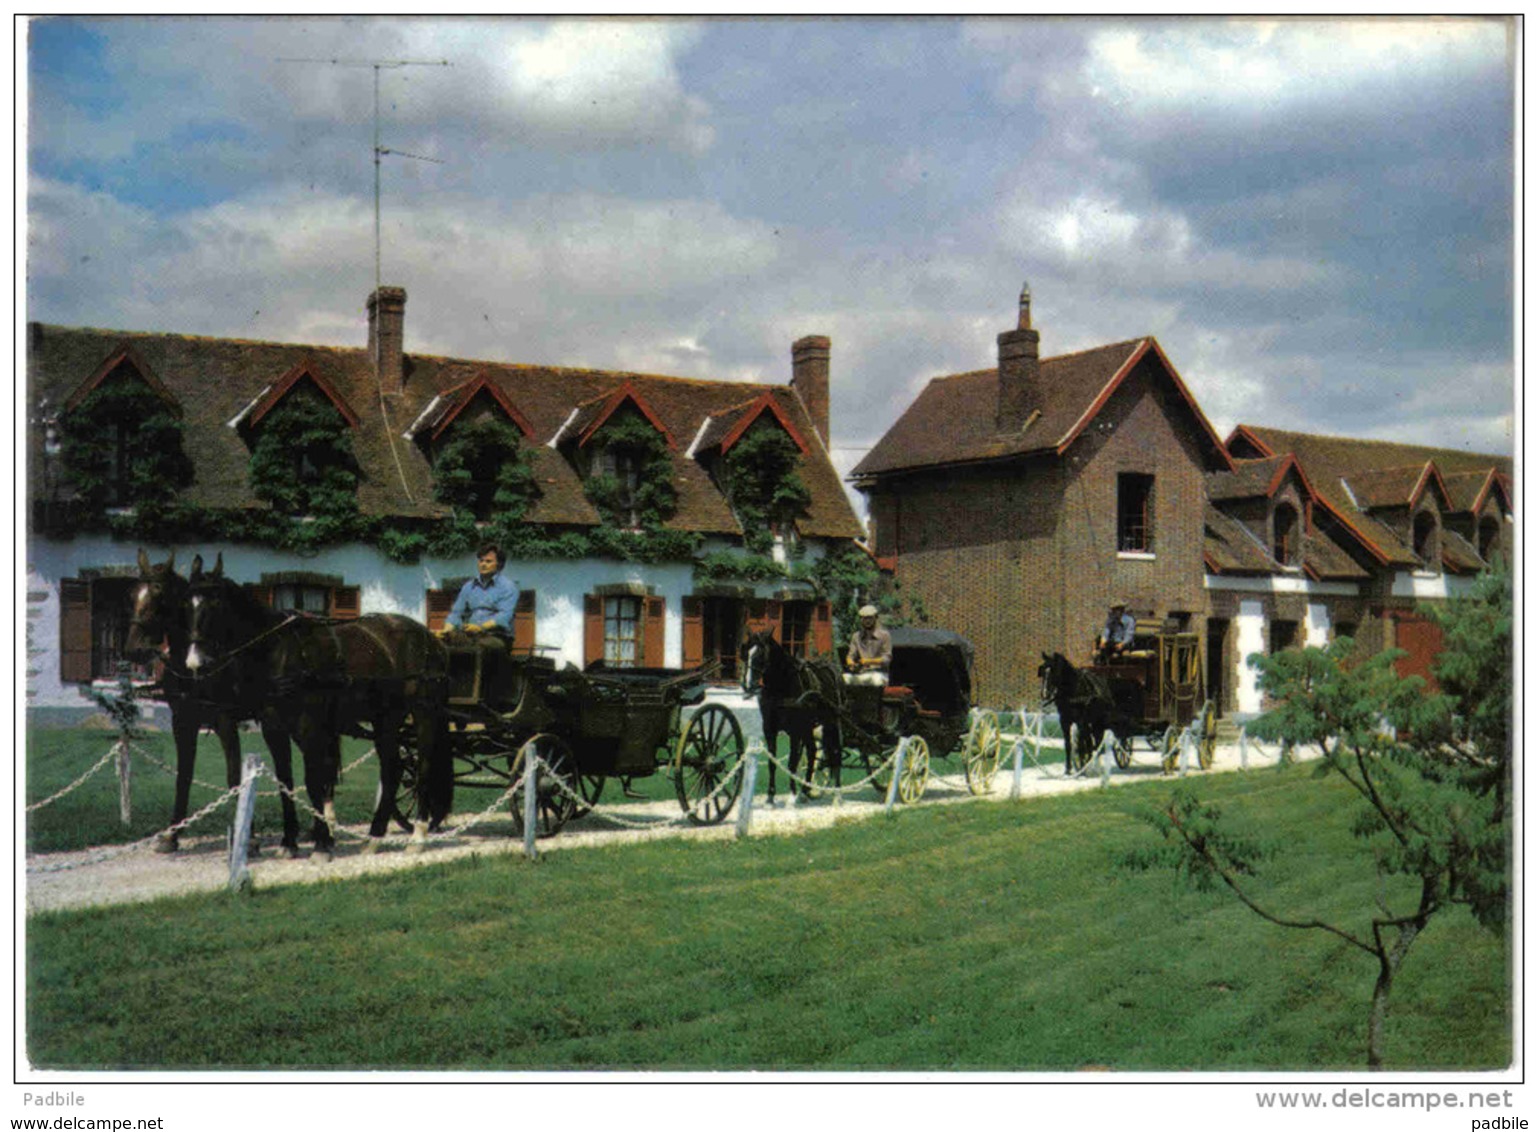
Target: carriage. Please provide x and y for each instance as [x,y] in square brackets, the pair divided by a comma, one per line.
[927,701]
[586,726]
[1158,692]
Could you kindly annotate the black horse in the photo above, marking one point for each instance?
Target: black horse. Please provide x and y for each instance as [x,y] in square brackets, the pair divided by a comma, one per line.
[1085,706]
[159,629]
[380,676]
[795,698]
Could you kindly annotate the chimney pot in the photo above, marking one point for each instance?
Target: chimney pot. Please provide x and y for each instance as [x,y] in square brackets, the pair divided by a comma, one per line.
[387,338]
[809,379]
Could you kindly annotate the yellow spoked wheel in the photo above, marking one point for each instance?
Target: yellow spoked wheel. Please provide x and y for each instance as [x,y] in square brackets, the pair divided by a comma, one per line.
[915,771]
[982,748]
[1169,750]
[1207,742]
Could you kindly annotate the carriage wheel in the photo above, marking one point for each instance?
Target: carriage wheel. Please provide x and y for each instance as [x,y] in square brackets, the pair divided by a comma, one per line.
[878,768]
[590,786]
[554,785]
[1123,751]
[707,767]
[915,775]
[406,792]
[1169,749]
[1207,743]
[982,747]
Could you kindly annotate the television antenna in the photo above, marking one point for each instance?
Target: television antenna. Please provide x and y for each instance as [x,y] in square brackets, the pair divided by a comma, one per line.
[380,151]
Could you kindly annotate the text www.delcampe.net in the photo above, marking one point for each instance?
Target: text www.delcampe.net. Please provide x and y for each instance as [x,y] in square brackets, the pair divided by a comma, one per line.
[1389,1098]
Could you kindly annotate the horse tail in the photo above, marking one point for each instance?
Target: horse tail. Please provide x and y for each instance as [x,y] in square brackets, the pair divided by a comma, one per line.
[440,768]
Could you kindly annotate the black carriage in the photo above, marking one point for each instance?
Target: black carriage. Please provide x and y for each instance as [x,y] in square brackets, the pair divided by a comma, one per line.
[928,701]
[1158,692]
[588,726]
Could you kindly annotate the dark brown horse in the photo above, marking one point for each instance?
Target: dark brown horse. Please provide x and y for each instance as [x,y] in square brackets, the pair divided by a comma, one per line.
[795,698]
[159,629]
[381,677]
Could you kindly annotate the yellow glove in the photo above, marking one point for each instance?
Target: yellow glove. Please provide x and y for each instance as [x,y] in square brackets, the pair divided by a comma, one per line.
[472,628]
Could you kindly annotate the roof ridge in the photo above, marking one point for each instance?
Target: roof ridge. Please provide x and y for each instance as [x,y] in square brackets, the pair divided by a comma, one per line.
[1260,429]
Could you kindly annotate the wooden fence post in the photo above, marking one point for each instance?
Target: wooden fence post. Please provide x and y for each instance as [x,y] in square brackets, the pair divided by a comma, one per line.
[530,802]
[749,784]
[125,804]
[245,816]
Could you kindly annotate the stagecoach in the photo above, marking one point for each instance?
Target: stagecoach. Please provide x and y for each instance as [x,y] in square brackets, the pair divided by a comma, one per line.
[926,701]
[1157,689]
[586,726]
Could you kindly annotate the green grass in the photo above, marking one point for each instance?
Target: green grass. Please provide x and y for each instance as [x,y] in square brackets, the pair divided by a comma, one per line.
[990,936]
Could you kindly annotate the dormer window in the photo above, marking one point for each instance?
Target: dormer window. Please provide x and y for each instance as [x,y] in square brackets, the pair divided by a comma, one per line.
[625,456]
[1489,537]
[623,466]
[300,433]
[120,438]
[1286,535]
[1427,544]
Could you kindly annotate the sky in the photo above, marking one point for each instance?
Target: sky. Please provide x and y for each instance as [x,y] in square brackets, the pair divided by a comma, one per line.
[1314,218]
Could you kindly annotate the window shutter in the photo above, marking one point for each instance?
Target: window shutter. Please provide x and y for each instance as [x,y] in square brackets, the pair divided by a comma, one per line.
[345,602]
[654,632]
[262,594]
[773,618]
[822,629]
[523,624]
[592,628]
[440,603]
[694,632]
[74,631]
[758,615]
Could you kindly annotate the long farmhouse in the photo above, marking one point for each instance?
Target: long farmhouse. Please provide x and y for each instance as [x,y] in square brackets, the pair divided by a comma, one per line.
[652,520]
[1016,502]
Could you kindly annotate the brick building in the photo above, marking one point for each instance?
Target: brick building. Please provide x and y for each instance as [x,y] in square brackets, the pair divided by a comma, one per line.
[1016,502]
[396,411]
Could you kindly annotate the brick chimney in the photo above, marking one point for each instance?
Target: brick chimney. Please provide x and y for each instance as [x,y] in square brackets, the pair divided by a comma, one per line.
[387,338]
[809,378]
[1019,371]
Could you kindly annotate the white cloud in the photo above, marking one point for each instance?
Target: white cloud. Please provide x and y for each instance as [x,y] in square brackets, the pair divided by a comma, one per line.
[1272,66]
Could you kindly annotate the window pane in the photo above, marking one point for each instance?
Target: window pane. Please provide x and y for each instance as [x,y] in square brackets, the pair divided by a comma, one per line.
[1134,512]
[621,631]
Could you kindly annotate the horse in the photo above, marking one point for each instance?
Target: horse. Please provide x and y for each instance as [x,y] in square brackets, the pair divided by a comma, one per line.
[317,679]
[795,697]
[1084,704]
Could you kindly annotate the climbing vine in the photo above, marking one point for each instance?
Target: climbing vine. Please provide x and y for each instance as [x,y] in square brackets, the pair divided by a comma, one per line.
[762,480]
[302,462]
[122,447]
[646,498]
[482,470]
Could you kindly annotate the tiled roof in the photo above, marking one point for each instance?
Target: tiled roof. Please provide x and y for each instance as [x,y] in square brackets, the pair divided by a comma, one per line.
[214,379]
[1249,478]
[952,419]
[1232,548]
[1395,487]
[1336,465]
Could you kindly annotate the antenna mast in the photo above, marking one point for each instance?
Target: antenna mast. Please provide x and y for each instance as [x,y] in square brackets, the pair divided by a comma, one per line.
[379,150]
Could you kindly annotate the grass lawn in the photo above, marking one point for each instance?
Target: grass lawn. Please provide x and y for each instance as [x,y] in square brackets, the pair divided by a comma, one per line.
[989,936]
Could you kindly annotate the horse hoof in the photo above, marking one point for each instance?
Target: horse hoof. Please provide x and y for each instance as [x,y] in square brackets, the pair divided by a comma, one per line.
[321,856]
[166,845]
[291,852]
[415,846]
[370,847]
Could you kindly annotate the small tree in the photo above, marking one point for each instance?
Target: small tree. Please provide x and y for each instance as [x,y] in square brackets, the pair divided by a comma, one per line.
[1432,769]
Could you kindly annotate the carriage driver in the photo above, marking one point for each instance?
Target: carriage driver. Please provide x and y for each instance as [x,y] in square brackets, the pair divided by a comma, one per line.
[870,651]
[483,614]
[1116,637]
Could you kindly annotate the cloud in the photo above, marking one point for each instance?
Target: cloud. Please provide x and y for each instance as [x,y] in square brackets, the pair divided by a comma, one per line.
[1274,67]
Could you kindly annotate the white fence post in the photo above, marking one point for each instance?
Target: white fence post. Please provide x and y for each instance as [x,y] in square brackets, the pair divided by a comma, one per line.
[530,802]
[1019,753]
[897,770]
[1185,752]
[1244,749]
[125,802]
[245,816]
[749,783]
[1107,742]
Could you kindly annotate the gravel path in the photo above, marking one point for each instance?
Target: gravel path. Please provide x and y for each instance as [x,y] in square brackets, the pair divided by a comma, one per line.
[111,876]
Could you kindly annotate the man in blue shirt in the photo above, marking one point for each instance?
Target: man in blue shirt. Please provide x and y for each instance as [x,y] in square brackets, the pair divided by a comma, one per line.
[482,618]
[1116,637]
[487,601]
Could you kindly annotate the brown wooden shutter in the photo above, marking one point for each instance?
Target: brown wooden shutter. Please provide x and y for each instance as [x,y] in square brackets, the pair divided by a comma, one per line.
[757,615]
[592,628]
[523,624]
[345,602]
[654,632]
[774,612]
[440,603]
[262,594]
[694,632]
[1421,638]
[74,631]
[822,628]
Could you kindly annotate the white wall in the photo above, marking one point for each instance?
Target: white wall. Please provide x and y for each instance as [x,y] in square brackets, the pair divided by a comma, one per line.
[1316,628]
[1249,637]
[386,587]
